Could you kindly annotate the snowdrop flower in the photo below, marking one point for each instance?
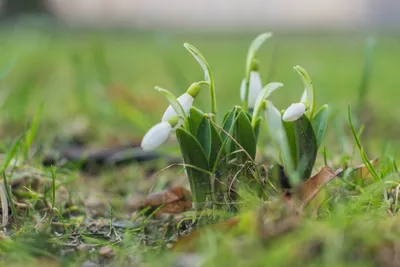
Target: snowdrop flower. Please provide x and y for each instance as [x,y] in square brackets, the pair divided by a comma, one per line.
[186,101]
[294,112]
[158,134]
[255,87]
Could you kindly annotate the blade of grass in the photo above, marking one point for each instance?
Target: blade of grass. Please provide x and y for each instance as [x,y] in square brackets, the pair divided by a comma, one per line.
[364,156]
[32,131]
[9,195]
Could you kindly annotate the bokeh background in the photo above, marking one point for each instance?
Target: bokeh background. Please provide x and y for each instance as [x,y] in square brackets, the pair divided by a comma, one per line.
[93,64]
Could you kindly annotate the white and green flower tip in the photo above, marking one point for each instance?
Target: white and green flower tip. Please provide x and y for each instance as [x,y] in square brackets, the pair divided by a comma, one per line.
[185,100]
[158,134]
[255,85]
[294,112]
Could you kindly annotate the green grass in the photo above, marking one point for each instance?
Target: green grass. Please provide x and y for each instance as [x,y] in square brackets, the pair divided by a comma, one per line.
[68,72]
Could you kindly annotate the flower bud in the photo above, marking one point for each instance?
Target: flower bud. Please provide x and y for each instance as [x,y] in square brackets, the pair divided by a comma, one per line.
[294,112]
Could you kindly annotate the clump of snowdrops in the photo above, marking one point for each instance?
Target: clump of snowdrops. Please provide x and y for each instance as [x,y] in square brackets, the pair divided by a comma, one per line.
[218,156]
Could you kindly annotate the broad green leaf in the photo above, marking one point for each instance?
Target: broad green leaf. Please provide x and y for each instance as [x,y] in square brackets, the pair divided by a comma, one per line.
[195,116]
[319,123]
[278,135]
[245,135]
[306,146]
[291,139]
[199,177]
[228,122]
[216,146]
[309,89]
[229,126]
[204,135]
[253,49]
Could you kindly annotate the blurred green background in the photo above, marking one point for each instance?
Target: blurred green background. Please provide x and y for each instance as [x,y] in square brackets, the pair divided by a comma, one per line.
[79,73]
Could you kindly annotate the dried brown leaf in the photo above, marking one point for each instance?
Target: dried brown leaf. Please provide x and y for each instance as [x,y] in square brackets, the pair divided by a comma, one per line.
[175,199]
[362,170]
[310,188]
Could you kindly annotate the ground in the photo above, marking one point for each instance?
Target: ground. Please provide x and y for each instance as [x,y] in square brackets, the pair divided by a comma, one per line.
[96,92]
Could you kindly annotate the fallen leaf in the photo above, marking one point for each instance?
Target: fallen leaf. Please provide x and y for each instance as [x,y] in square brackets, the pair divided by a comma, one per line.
[175,199]
[134,203]
[106,252]
[362,171]
[310,188]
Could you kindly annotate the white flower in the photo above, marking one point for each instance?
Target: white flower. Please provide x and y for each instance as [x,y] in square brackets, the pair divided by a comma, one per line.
[294,112]
[156,136]
[255,87]
[186,101]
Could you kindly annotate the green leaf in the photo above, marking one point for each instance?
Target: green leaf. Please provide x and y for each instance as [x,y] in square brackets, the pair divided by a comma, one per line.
[319,123]
[245,135]
[309,89]
[229,126]
[291,139]
[195,116]
[228,122]
[199,177]
[207,74]
[216,146]
[306,146]
[279,138]
[204,135]
[201,60]
[253,49]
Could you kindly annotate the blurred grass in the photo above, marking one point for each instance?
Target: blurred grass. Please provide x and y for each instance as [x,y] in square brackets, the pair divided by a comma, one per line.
[62,70]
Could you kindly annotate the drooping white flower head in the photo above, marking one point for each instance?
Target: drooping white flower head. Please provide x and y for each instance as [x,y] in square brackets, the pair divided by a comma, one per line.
[158,134]
[255,87]
[294,112]
[186,101]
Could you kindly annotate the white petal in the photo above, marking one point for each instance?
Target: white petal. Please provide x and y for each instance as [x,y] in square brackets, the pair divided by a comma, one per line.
[294,112]
[156,136]
[242,89]
[186,102]
[304,96]
[254,87]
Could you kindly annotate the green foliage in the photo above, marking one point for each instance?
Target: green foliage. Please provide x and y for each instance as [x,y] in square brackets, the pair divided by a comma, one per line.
[306,147]
[319,123]
[196,165]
